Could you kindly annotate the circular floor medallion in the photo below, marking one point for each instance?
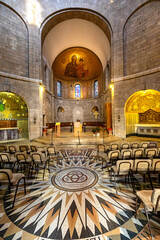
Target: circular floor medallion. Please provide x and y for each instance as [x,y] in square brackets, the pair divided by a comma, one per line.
[74,179]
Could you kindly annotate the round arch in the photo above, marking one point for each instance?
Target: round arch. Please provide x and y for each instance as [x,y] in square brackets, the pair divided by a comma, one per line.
[14,112]
[140,102]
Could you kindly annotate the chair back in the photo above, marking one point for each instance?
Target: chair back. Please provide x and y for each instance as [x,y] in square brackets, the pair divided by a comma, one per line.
[12,149]
[144,145]
[125,146]
[23,148]
[126,153]
[151,152]
[101,148]
[33,148]
[155,199]
[3,148]
[114,155]
[137,153]
[5,174]
[37,157]
[4,157]
[135,145]
[156,165]
[152,145]
[124,166]
[20,156]
[142,165]
[114,146]
[51,150]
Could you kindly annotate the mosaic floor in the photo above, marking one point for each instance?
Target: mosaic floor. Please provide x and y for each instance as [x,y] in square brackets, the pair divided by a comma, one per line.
[76,200]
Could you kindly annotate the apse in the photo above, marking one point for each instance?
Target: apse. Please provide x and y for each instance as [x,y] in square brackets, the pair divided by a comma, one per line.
[83,34]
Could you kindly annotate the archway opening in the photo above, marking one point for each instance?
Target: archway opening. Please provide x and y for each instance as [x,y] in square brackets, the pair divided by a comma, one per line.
[13,116]
[142,109]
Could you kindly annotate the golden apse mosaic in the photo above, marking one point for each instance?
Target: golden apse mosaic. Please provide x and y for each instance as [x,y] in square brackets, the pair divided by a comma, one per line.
[77,63]
[142,101]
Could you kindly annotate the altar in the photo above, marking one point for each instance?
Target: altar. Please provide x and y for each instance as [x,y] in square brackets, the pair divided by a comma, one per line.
[9,133]
[149,123]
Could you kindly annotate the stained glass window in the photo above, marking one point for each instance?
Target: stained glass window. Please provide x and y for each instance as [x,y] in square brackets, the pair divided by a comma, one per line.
[96,88]
[59,89]
[77,91]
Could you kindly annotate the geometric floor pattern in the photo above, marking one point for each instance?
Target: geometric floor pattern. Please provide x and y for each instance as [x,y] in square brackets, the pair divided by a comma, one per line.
[76,200]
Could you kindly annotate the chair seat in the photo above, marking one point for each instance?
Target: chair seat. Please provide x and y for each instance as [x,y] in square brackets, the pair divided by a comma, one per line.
[121,172]
[16,178]
[145,196]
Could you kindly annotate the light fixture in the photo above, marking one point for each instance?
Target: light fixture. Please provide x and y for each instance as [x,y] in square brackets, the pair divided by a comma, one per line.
[111,86]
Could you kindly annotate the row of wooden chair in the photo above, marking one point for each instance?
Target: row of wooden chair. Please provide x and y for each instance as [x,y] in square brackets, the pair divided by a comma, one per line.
[133,153]
[126,145]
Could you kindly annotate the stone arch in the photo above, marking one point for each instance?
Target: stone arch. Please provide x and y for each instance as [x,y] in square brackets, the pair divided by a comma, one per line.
[140,60]
[82,13]
[140,102]
[14,110]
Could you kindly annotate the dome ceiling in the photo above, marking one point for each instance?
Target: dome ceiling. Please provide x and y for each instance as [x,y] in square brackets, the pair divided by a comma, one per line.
[77,63]
[72,33]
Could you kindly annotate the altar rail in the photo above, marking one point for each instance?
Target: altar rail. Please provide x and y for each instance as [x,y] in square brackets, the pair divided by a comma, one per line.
[68,124]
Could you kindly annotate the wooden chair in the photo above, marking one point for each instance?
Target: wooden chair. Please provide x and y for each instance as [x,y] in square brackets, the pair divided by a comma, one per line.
[3,148]
[113,156]
[122,168]
[7,159]
[151,152]
[125,146]
[126,153]
[152,145]
[144,144]
[24,148]
[12,149]
[39,162]
[137,153]
[23,160]
[6,176]
[142,166]
[134,145]
[114,146]
[151,203]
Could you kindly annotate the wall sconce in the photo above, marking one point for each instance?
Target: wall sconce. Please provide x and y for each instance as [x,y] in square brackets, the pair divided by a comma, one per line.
[34,120]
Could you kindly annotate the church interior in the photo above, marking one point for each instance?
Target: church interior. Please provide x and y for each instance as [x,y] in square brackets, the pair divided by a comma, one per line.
[80,120]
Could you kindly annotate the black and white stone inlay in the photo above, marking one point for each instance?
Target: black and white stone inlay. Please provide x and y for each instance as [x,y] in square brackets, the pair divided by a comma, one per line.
[74,179]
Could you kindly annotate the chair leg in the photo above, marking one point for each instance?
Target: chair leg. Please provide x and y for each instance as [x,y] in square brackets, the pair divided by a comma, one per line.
[136,206]
[115,183]
[24,185]
[44,173]
[150,180]
[15,195]
[146,211]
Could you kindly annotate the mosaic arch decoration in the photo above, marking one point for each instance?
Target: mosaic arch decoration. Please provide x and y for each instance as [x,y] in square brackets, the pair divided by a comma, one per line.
[94,211]
[77,63]
[12,107]
[142,101]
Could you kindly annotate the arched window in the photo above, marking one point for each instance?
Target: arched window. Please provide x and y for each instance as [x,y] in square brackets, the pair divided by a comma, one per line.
[59,89]
[77,91]
[96,88]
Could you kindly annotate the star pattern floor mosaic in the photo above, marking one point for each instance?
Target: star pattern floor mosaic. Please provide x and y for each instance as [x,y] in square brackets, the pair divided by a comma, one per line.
[76,200]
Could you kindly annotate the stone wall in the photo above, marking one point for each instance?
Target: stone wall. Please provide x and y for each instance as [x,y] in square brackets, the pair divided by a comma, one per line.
[13,42]
[78,109]
[142,39]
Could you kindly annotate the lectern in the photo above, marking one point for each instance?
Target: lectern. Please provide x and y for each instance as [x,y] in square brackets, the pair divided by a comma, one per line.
[77,128]
[58,129]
